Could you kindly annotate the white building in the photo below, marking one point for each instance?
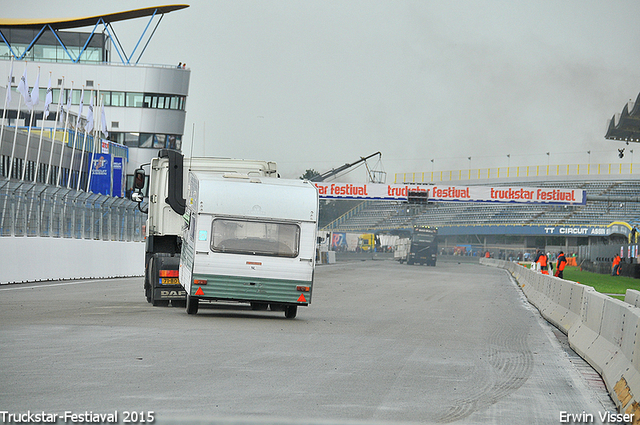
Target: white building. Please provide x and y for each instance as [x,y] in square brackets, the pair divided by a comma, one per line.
[145,105]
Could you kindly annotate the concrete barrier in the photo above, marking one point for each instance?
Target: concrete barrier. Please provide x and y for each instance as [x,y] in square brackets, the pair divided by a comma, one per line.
[632,297]
[32,259]
[602,330]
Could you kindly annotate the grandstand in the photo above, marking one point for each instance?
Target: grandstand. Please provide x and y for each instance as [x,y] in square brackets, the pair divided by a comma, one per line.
[617,199]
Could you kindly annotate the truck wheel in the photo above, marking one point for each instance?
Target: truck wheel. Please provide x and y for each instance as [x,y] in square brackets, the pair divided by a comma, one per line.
[192,305]
[147,284]
[290,311]
[147,293]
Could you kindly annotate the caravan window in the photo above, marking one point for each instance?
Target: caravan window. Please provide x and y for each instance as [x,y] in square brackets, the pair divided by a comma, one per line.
[255,238]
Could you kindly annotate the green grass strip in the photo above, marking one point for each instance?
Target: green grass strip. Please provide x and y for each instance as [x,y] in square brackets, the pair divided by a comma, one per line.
[602,283]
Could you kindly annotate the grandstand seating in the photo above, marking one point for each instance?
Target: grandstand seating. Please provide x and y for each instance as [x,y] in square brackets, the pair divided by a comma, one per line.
[388,215]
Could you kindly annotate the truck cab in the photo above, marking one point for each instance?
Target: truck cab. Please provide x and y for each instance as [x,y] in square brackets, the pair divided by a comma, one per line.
[165,208]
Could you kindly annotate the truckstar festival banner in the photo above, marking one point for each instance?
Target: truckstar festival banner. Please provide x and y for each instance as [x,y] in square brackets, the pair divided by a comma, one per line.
[398,192]
[392,192]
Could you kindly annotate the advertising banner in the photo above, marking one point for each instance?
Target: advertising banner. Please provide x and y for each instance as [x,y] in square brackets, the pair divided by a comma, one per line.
[578,231]
[394,192]
[513,194]
[117,188]
[338,241]
[101,173]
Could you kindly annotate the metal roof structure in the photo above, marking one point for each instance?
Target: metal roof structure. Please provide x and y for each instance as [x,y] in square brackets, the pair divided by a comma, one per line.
[54,25]
[626,125]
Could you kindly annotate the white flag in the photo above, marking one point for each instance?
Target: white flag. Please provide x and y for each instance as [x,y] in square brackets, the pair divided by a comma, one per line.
[89,126]
[9,83]
[68,107]
[81,105]
[23,87]
[35,92]
[48,99]
[104,123]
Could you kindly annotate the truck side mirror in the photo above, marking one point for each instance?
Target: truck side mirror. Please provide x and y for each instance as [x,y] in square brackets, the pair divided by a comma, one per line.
[137,197]
[138,180]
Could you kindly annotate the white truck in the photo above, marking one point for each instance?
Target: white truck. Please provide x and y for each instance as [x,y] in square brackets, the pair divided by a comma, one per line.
[166,185]
[250,240]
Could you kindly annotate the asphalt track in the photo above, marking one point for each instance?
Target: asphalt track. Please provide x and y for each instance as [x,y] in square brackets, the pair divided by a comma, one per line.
[381,342]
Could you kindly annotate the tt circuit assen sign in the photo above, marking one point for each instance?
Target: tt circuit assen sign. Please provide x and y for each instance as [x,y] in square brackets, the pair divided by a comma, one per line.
[399,192]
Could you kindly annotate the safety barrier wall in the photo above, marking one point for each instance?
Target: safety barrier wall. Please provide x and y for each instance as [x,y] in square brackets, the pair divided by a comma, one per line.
[632,297]
[33,259]
[602,330]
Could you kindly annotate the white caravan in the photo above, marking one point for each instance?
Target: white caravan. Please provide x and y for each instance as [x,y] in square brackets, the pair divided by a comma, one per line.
[249,239]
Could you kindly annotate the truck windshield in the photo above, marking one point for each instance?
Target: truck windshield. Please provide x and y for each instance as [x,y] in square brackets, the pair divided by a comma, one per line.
[422,238]
[255,237]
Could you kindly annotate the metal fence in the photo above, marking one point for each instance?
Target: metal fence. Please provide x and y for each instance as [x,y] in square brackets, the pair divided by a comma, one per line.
[627,170]
[34,209]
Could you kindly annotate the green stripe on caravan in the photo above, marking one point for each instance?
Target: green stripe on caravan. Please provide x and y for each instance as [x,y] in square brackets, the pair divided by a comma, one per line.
[242,288]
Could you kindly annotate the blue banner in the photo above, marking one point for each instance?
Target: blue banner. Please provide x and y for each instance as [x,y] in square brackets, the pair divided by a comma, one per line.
[117,189]
[530,230]
[101,173]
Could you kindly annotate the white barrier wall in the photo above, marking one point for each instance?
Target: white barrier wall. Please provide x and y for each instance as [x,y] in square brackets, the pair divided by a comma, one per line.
[602,330]
[28,259]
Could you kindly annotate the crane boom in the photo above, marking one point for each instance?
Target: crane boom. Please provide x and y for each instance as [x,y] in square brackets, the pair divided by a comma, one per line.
[322,177]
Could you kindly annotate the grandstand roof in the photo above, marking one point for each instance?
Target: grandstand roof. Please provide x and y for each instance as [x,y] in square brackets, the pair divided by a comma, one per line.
[68,23]
[626,126]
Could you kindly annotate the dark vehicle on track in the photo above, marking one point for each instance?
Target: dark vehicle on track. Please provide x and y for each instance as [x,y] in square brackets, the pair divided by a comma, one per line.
[420,248]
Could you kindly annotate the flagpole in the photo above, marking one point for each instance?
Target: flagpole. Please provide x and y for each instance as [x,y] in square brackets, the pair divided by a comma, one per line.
[93,149]
[75,138]
[15,135]
[96,139]
[55,127]
[26,152]
[7,98]
[65,136]
[84,142]
[45,113]
[33,107]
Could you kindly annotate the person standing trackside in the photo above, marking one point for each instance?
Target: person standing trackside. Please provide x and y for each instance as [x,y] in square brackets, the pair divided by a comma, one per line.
[615,266]
[560,265]
[542,260]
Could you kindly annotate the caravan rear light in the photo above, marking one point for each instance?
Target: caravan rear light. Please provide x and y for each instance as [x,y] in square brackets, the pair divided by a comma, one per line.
[303,288]
[169,273]
[199,281]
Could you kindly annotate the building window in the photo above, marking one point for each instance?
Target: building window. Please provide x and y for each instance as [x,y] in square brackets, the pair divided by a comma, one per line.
[117,98]
[147,140]
[134,100]
[106,98]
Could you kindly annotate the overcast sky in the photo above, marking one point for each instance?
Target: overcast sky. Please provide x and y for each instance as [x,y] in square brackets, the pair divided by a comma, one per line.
[316,84]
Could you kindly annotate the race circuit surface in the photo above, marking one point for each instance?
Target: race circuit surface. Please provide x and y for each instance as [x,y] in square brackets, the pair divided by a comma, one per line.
[381,342]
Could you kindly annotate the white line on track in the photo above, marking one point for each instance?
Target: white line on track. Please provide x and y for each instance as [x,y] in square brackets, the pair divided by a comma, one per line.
[19,286]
